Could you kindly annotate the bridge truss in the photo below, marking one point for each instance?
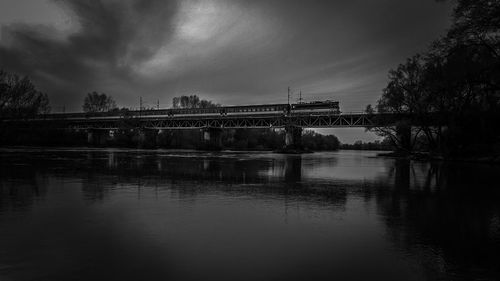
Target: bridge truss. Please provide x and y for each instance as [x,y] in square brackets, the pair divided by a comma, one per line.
[194,122]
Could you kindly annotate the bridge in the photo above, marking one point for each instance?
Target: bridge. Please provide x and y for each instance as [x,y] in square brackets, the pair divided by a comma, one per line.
[211,121]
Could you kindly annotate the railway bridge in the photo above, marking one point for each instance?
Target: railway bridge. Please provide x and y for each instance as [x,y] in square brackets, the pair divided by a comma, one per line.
[211,121]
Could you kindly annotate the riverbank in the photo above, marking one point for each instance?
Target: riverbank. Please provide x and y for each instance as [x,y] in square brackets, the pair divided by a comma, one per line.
[423,156]
[224,149]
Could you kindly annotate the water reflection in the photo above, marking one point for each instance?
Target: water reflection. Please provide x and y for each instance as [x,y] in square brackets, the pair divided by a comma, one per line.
[23,187]
[84,214]
[446,214]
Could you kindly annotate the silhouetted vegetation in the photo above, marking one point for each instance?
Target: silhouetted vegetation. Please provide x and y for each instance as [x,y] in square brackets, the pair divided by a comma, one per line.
[128,133]
[385,144]
[451,93]
[19,98]
[233,139]
[317,142]
[192,101]
[236,139]
[246,139]
[95,102]
[239,139]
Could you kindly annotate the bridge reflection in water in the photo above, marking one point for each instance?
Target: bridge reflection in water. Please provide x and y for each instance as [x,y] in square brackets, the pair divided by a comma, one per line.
[191,215]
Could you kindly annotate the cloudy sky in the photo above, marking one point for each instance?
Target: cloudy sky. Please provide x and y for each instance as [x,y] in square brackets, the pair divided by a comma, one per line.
[230,51]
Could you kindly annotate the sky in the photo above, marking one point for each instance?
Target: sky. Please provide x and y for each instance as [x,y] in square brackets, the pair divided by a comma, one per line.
[230,51]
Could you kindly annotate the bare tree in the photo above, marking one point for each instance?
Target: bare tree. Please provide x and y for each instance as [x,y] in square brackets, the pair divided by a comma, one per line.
[450,92]
[19,98]
[95,102]
[192,101]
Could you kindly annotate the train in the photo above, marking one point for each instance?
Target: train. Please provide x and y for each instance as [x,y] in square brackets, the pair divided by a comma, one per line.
[307,108]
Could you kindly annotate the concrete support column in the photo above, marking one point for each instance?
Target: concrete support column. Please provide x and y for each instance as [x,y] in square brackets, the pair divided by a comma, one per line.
[161,138]
[90,137]
[96,137]
[147,138]
[293,137]
[212,138]
[403,133]
[141,138]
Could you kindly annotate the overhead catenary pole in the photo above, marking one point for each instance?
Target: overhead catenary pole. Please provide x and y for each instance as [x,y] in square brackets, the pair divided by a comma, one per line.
[288,95]
[140,106]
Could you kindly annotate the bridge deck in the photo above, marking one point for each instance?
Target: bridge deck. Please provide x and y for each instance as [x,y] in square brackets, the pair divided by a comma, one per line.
[200,121]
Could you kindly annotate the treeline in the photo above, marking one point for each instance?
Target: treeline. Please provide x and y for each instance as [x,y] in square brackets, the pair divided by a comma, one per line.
[19,98]
[233,139]
[318,142]
[385,145]
[192,101]
[451,92]
[246,139]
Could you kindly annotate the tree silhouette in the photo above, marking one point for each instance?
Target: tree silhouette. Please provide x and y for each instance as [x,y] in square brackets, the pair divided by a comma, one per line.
[95,102]
[192,101]
[19,98]
[452,91]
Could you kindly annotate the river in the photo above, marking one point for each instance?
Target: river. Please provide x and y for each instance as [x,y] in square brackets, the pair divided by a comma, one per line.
[117,214]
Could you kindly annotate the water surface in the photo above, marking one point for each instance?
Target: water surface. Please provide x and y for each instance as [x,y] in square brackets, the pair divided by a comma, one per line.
[111,214]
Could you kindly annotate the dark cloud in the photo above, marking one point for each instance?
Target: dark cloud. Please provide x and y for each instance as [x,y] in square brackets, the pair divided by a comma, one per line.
[235,52]
[110,36]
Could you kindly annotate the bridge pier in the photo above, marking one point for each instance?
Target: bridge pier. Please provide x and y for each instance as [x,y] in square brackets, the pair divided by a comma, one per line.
[97,137]
[160,136]
[90,137]
[211,138]
[403,133]
[293,138]
[147,138]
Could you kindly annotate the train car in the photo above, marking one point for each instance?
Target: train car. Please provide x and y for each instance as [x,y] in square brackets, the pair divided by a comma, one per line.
[217,111]
[254,109]
[310,108]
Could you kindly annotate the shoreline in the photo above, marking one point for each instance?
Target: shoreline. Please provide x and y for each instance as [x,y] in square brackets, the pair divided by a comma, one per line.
[416,156]
[282,151]
[419,156]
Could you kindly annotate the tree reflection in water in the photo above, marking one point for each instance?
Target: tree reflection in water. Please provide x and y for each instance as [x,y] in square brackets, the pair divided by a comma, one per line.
[442,217]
